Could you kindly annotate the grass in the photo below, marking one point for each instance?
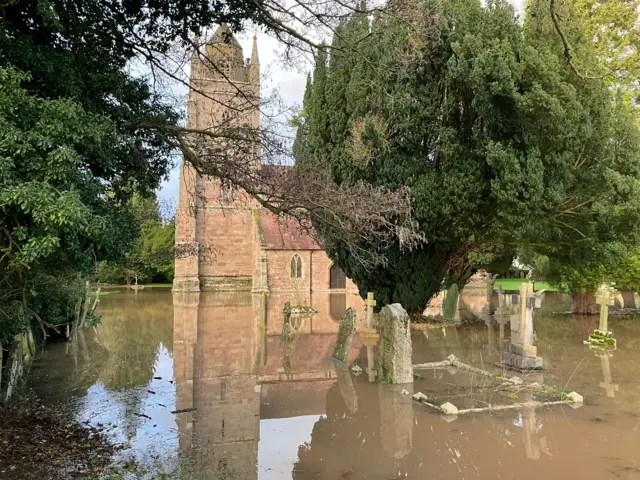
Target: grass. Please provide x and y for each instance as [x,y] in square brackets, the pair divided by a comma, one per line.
[514,284]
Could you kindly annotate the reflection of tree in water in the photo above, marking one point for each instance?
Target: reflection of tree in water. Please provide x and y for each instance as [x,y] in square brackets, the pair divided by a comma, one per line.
[68,367]
[133,327]
[120,353]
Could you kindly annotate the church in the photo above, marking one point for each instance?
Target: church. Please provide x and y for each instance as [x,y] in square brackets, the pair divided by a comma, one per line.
[225,241]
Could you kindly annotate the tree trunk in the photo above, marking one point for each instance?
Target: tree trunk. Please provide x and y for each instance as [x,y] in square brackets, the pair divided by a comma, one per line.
[584,303]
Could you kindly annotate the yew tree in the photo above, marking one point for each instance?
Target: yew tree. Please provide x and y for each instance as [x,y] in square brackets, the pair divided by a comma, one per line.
[498,139]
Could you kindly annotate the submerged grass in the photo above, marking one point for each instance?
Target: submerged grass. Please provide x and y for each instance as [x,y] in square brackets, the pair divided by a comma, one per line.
[514,284]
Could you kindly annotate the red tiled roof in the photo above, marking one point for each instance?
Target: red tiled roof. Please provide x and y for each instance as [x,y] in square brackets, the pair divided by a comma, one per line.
[284,233]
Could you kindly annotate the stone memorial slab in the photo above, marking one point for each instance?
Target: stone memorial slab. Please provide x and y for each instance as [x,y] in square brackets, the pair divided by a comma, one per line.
[345,334]
[395,345]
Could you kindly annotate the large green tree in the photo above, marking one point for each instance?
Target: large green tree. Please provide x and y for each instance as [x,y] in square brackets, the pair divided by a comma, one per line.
[79,135]
[57,215]
[500,142]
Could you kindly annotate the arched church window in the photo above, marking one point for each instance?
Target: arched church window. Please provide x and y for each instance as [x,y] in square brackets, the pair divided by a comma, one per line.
[337,278]
[337,305]
[296,266]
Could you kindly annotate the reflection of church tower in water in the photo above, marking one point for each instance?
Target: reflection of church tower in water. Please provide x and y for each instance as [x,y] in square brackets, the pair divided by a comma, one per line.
[215,348]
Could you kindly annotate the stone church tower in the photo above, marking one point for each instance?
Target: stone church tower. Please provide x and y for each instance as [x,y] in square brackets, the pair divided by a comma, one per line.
[215,228]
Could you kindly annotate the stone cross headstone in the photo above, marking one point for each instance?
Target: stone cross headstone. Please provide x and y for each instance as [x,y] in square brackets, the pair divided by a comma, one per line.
[523,355]
[370,304]
[395,345]
[606,370]
[345,334]
[602,337]
[605,299]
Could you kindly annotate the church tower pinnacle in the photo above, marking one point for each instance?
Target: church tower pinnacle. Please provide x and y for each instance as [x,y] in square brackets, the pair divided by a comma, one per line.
[255,62]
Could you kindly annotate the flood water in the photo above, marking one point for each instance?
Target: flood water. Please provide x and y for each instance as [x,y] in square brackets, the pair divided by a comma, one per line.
[251,406]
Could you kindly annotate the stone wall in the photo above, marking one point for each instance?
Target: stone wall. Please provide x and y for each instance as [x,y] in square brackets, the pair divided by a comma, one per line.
[279,271]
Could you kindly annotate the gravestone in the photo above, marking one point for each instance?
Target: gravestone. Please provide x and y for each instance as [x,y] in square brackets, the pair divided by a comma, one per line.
[523,355]
[395,345]
[602,337]
[370,337]
[513,301]
[502,312]
[15,367]
[489,281]
[345,334]
[450,303]
[628,299]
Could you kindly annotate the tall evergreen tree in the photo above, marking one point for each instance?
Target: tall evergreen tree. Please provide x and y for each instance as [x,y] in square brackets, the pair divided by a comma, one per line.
[499,141]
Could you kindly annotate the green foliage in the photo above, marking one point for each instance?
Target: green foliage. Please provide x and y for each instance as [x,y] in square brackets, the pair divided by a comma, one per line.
[627,274]
[601,338]
[450,303]
[57,215]
[500,142]
[151,257]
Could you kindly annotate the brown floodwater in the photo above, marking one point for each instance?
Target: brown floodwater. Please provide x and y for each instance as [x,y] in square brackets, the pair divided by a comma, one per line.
[251,406]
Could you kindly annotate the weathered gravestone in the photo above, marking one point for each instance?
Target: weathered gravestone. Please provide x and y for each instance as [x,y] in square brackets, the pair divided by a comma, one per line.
[489,281]
[450,304]
[395,345]
[502,312]
[345,334]
[370,337]
[523,355]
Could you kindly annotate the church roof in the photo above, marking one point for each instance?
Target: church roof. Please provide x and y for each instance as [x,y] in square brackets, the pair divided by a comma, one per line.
[224,35]
[284,233]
